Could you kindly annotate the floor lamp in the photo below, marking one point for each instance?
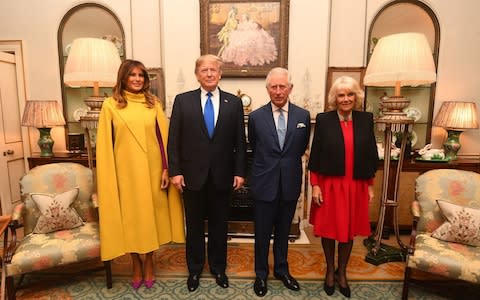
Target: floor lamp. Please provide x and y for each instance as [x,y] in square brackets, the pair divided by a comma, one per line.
[403,59]
[92,62]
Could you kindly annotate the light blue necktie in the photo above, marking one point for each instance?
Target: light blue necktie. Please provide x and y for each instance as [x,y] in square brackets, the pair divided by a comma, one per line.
[208,115]
[281,128]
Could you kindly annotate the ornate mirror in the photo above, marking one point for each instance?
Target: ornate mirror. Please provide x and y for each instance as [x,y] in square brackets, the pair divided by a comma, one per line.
[407,16]
[84,20]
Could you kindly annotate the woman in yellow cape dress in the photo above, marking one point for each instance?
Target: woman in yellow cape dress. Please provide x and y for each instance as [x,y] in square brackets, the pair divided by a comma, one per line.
[138,209]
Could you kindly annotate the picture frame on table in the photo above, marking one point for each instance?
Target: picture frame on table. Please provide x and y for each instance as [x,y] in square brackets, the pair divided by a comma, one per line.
[250,36]
[356,73]
[157,84]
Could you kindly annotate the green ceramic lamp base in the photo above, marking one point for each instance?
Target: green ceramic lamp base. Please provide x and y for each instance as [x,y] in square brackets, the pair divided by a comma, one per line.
[452,144]
[45,142]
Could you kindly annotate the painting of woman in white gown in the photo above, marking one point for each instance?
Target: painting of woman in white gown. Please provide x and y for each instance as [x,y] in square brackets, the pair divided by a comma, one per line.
[246,43]
[249,36]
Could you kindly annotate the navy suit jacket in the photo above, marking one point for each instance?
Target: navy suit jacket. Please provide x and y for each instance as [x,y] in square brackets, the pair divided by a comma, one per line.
[193,154]
[275,170]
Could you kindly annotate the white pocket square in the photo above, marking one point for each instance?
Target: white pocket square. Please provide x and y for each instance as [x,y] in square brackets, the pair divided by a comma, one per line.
[301,125]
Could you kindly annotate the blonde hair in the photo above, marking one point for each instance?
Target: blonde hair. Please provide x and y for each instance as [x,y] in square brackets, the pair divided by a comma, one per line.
[348,83]
[209,58]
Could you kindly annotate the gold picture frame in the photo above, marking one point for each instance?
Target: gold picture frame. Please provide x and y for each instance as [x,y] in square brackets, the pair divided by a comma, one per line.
[251,36]
[157,84]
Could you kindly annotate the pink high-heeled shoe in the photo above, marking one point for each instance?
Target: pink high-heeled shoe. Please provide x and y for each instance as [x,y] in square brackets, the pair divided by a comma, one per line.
[136,284]
[149,283]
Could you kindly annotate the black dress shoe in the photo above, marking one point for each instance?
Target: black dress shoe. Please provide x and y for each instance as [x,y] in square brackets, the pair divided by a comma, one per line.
[288,281]
[193,282]
[329,289]
[343,290]
[260,287]
[221,279]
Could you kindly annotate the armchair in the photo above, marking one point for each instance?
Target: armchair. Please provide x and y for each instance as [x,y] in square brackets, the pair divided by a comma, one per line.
[429,250]
[55,194]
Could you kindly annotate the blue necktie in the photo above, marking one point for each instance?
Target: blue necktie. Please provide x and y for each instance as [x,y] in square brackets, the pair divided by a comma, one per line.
[208,115]
[281,128]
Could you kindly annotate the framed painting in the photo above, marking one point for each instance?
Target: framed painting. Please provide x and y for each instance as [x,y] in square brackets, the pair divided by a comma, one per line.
[251,36]
[356,73]
[157,84]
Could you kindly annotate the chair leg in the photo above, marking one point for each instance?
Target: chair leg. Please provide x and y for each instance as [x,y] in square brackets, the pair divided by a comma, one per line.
[108,273]
[406,283]
[10,286]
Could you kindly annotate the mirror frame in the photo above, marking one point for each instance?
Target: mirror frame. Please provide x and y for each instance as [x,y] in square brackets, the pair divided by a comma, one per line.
[60,45]
[435,50]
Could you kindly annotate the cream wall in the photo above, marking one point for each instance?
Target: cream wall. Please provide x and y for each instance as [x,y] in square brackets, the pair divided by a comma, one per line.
[322,33]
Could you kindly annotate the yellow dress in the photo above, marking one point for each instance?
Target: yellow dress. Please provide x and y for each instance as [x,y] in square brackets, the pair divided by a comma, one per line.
[136,215]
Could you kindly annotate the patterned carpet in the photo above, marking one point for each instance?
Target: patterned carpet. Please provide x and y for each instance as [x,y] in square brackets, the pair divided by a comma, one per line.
[93,287]
[306,264]
[305,261]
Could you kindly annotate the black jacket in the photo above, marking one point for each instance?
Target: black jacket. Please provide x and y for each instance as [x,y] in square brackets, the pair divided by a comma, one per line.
[327,156]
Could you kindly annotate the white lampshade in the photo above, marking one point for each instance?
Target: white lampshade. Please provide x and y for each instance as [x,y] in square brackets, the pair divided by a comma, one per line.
[92,62]
[403,59]
[457,115]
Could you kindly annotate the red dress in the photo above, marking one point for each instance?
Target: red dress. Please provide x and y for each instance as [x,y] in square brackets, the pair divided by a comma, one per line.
[344,211]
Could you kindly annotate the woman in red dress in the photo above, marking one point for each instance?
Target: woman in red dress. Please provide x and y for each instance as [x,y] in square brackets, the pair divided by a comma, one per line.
[342,165]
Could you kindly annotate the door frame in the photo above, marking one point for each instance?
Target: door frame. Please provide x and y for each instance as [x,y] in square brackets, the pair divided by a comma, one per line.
[15,47]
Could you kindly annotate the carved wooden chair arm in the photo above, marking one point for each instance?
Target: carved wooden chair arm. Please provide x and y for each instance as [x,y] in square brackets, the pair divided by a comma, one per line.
[416,217]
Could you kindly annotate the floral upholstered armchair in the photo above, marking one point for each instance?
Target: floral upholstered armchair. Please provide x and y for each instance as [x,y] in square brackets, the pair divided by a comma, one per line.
[445,237]
[59,220]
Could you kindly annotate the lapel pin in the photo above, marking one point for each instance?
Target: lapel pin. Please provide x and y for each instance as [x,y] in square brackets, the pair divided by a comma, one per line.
[225,100]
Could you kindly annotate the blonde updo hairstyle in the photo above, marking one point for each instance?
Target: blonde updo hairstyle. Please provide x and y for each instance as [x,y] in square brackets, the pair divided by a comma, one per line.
[349,84]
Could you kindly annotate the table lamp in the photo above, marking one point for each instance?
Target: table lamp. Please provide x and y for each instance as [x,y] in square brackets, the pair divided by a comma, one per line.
[455,117]
[92,62]
[43,115]
[403,59]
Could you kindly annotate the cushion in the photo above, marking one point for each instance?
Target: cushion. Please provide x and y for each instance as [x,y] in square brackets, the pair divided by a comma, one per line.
[462,224]
[56,211]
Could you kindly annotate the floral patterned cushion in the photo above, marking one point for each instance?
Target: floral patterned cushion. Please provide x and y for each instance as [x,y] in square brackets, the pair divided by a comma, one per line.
[462,224]
[56,211]
[42,251]
[452,260]
[458,186]
[55,179]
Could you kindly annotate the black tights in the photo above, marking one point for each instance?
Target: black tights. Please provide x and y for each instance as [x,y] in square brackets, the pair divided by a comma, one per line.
[344,251]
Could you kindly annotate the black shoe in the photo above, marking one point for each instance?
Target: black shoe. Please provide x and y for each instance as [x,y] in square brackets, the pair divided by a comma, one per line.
[329,289]
[260,287]
[221,279]
[343,290]
[288,281]
[193,282]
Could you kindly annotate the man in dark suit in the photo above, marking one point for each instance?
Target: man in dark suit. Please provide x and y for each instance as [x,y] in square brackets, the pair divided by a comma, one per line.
[206,155]
[279,134]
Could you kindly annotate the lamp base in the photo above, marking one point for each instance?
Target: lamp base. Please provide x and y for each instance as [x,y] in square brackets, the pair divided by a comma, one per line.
[45,142]
[384,254]
[452,144]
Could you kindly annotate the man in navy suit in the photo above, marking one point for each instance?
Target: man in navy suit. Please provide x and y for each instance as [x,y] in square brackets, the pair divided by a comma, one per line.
[279,135]
[206,160]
